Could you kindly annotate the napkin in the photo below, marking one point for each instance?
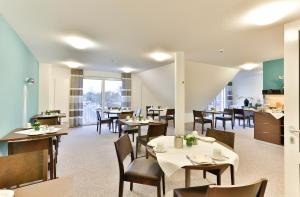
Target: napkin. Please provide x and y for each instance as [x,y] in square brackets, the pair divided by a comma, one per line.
[207,139]
[6,193]
[198,159]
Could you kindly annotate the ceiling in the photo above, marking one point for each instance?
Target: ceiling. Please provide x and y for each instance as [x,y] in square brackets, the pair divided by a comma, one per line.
[127,31]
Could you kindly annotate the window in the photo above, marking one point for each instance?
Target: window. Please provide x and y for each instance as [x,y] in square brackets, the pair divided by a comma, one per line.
[223,99]
[98,93]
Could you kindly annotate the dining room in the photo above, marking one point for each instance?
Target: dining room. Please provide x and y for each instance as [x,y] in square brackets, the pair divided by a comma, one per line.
[161,108]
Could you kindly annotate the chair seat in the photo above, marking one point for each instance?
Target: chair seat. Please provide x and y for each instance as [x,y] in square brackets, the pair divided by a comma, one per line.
[106,120]
[224,118]
[152,114]
[191,191]
[205,120]
[145,169]
[167,117]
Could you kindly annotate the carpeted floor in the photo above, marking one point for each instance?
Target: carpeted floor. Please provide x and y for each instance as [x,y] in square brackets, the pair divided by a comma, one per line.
[90,158]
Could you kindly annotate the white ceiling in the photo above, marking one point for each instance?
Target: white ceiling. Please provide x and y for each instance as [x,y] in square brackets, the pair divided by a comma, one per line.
[127,30]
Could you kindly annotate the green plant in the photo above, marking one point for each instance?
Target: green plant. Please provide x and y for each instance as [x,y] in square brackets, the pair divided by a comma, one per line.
[36,125]
[190,139]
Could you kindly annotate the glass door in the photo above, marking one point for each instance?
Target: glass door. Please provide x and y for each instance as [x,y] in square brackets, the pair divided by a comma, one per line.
[112,93]
[92,100]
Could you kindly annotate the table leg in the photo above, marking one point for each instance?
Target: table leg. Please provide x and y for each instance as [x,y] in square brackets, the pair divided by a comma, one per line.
[187,177]
[139,134]
[232,174]
[159,115]
[213,121]
[51,166]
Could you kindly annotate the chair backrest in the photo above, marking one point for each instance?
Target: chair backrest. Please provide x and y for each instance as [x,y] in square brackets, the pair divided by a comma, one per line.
[23,168]
[256,189]
[123,115]
[123,149]
[156,129]
[228,111]
[198,114]
[225,137]
[170,112]
[238,111]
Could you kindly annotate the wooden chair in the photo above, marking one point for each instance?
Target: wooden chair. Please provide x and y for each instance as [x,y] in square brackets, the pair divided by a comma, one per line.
[154,130]
[239,114]
[199,118]
[23,168]
[101,121]
[226,138]
[227,116]
[170,115]
[256,189]
[151,113]
[142,170]
[126,128]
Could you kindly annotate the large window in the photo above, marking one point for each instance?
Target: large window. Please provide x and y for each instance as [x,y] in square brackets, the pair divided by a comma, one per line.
[99,93]
[223,99]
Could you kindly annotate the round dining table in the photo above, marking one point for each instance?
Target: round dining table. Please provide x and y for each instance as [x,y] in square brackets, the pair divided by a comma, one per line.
[173,159]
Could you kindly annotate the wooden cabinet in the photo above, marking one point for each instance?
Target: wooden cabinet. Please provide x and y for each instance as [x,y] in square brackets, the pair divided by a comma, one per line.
[267,128]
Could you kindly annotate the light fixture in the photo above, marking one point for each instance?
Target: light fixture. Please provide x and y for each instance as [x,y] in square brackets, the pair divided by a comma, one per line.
[270,13]
[160,56]
[249,66]
[72,64]
[29,81]
[79,42]
[127,69]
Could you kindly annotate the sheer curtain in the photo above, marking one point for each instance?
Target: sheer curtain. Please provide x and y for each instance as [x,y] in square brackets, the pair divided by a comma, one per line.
[76,97]
[126,90]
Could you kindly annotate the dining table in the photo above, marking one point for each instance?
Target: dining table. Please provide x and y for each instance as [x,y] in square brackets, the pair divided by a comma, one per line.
[44,116]
[173,159]
[22,140]
[157,109]
[213,115]
[60,187]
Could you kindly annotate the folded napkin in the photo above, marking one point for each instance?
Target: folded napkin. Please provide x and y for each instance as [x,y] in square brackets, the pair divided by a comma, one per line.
[198,159]
[207,139]
[6,193]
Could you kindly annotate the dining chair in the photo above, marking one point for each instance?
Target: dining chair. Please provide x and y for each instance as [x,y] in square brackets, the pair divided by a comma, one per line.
[226,116]
[154,130]
[170,115]
[101,121]
[126,128]
[199,118]
[141,170]
[256,189]
[227,138]
[153,114]
[239,114]
[19,169]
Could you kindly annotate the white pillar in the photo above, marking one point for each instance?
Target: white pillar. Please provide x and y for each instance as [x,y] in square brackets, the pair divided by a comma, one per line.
[179,93]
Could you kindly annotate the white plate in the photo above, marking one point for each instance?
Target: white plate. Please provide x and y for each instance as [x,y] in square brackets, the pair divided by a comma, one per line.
[207,139]
[221,158]
[159,151]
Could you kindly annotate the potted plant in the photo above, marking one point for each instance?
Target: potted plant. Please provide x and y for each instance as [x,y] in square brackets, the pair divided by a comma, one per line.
[36,125]
[190,139]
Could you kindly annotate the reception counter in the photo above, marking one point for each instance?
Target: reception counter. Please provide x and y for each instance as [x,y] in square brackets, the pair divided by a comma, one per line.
[269,127]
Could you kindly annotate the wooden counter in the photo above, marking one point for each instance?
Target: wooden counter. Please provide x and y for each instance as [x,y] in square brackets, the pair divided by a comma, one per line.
[268,128]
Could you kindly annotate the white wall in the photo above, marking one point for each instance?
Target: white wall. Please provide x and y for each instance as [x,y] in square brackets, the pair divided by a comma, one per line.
[247,84]
[54,88]
[202,81]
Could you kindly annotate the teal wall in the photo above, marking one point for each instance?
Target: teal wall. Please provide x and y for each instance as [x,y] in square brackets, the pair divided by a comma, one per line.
[271,70]
[16,63]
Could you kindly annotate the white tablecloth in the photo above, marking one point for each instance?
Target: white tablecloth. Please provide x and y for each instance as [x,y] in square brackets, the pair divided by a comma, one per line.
[40,132]
[174,159]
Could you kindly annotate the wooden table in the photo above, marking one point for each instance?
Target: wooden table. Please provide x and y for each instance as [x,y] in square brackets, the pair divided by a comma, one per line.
[116,112]
[61,187]
[200,166]
[42,117]
[159,110]
[20,143]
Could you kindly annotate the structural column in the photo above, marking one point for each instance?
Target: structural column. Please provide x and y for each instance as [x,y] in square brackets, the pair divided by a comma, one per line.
[179,93]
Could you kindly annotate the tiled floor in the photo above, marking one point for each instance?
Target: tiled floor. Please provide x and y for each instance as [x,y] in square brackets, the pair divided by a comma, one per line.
[90,158]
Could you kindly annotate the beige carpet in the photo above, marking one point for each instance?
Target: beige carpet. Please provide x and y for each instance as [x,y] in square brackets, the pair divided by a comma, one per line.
[90,158]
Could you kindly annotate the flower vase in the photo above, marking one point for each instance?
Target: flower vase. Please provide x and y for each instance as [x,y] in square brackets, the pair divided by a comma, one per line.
[189,143]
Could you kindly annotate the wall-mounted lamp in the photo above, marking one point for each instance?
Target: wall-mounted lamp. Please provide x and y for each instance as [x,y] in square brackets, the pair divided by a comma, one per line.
[29,80]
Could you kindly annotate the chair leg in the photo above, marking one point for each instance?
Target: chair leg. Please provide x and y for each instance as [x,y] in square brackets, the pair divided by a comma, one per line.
[216,123]
[239,122]
[131,186]
[132,137]
[121,185]
[97,126]
[202,128]
[204,174]
[224,125]
[194,126]
[136,147]
[232,125]
[244,123]
[232,175]
[218,179]
[164,184]
[100,129]
[158,190]
[174,122]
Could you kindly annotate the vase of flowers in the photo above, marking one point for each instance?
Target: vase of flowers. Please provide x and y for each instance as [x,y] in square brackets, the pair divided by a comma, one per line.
[36,125]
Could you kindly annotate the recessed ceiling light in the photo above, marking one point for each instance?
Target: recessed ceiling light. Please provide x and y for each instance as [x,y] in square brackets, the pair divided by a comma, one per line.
[270,13]
[160,56]
[79,42]
[249,66]
[72,64]
[127,69]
